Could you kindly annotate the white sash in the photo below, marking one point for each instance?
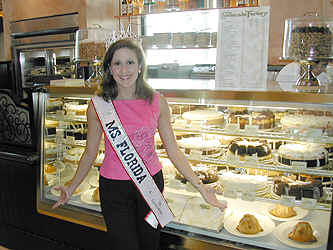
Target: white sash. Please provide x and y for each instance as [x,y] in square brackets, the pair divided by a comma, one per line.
[132,163]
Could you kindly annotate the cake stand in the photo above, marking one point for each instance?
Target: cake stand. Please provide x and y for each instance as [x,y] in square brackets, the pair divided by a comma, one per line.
[308,40]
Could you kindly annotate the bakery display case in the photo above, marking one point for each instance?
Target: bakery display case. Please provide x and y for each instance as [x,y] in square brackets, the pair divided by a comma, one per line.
[267,154]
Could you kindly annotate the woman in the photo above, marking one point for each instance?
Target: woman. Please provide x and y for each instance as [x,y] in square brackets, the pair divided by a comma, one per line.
[141,111]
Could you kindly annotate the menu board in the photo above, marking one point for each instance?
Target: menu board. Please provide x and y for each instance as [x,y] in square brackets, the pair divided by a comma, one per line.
[242,48]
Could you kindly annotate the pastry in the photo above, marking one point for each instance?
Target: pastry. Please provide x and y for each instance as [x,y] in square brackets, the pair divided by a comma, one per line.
[282,211]
[207,174]
[54,104]
[288,186]
[249,225]
[95,195]
[49,169]
[302,232]
[75,109]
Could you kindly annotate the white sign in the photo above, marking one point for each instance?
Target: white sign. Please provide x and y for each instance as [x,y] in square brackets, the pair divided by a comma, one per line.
[242,48]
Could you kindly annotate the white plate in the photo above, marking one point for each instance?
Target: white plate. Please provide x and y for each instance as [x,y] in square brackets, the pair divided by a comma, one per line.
[300,214]
[265,222]
[83,187]
[87,197]
[282,231]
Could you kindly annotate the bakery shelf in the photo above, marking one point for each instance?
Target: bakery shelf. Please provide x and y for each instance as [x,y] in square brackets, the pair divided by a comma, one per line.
[270,135]
[65,118]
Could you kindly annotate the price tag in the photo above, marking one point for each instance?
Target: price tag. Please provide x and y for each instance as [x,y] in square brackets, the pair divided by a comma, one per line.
[308,203]
[288,201]
[314,132]
[195,154]
[230,193]
[60,114]
[70,140]
[251,129]
[299,165]
[232,127]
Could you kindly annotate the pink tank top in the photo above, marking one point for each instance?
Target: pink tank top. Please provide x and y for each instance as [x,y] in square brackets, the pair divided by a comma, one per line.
[140,120]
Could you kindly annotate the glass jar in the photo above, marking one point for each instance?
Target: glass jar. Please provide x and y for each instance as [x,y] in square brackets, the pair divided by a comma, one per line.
[308,38]
[90,44]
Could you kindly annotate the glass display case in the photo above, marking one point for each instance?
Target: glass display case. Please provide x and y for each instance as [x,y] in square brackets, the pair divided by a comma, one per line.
[268,154]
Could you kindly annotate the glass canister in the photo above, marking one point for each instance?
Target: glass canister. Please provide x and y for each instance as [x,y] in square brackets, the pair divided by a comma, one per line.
[90,44]
[308,38]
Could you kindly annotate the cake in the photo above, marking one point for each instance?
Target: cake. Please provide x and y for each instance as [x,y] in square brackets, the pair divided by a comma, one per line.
[249,225]
[73,155]
[292,187]
[158,141]
[244,148]
[207,174]
[49,169]
[76,134]
[100,158]
[243,183]
[75,109]
[302,232]
[50,149]
[54,104]
[310,154]
[51,127]
[282,211]
[203,117]
[200,145]
[304,121]
[96,196]
[262,119]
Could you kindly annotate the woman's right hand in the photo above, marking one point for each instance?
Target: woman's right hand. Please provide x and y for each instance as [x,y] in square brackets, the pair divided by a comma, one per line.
[65,195]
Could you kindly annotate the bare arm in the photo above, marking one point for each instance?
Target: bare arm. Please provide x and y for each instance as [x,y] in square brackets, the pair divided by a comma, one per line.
[87,159]
[178,158]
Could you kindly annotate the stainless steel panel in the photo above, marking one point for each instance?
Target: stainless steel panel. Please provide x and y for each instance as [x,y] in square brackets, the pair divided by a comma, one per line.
[44,39]
[59,22]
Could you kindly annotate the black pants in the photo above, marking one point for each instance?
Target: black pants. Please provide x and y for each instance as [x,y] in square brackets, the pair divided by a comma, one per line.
[124,211]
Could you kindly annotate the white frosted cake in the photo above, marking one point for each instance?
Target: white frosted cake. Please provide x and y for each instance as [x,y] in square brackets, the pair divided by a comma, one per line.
[306,121]
[73,155]
[311,154]
[205,117]
[200,145]
[243,183]
[75,109]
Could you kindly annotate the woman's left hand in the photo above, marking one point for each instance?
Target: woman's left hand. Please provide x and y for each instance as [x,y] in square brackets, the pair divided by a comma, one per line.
[208,193]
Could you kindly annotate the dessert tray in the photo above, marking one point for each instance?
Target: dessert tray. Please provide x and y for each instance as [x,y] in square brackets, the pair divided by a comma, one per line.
[282,231]
[265,222]
[300,214]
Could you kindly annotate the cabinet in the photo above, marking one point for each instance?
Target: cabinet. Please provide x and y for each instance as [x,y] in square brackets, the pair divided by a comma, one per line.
[250,183]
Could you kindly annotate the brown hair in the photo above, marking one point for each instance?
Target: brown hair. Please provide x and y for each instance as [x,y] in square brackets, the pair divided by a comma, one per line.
[109,88]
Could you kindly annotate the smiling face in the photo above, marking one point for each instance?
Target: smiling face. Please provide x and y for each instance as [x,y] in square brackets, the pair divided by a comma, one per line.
[125,68]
